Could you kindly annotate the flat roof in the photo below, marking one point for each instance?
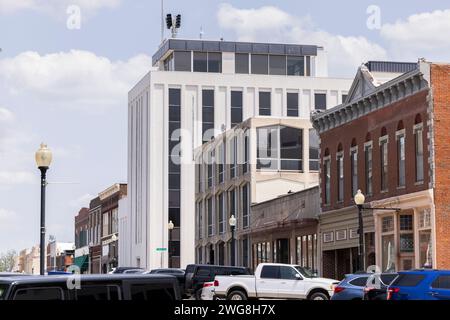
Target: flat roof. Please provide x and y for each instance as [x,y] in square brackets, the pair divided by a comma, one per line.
[233,46]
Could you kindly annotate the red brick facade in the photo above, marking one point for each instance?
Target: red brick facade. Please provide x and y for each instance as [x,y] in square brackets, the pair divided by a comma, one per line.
[440,79]
[388,117]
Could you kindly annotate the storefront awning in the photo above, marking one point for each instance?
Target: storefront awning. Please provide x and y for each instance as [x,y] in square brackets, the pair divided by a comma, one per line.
[82,262]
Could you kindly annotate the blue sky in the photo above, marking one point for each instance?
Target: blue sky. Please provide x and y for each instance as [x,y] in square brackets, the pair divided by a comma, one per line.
[69,87]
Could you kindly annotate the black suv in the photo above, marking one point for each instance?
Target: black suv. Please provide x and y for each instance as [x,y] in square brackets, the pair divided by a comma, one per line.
[156,288]
[198,274]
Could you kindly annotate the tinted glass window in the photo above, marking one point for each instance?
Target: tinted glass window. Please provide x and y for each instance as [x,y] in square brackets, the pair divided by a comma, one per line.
[236,107]
[320,101]
[152,292]
[190,268]
[388,278]
[204,272]
[296,66]
[292,104]
[264,104]
[182,60]
[359,282]
[39,294]
[200,62]
[3,289]
[291,148]
[241,62]
[277,65]
[214,62]
[442,282]
[260,64]
[288,273]
[408,280]
[93,293]
[270,272]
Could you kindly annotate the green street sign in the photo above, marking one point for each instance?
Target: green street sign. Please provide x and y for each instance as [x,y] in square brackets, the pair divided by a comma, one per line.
[161,249]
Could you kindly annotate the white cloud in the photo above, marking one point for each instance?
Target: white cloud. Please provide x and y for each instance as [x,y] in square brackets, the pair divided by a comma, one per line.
[6,116]
[57,7]
[17,177]
[7,217]
[82,201]
[76,79]
[420,35]
[268,23]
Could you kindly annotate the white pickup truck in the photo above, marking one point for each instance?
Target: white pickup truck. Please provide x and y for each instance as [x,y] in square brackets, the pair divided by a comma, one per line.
[275,281]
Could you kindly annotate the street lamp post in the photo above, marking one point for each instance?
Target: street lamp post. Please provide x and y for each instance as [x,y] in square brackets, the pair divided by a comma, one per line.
[359,201]
[170,226]
[43,160]
[232,223]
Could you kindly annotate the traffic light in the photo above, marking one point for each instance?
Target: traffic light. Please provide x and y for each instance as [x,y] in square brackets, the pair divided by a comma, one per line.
[169,21]
[178,21]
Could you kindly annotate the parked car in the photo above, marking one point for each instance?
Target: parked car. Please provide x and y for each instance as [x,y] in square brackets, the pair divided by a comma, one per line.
[275,281]
[156,288]
[177,273]
[351,288]
[377,285]
[123,269]
[420,285]
[12,274]
[208,291]
[198,274]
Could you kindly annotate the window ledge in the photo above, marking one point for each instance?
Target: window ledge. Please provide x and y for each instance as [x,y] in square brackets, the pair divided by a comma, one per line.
[401,187]
[418,183]
[384,191]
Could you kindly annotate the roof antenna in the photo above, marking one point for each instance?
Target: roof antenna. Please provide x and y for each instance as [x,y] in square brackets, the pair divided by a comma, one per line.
[201,32]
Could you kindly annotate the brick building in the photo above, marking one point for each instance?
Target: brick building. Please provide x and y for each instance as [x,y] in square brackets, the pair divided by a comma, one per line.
[81,240]
[95,229]
[389,139]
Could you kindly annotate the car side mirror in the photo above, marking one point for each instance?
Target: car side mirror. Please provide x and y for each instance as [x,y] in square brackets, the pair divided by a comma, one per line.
[298,277]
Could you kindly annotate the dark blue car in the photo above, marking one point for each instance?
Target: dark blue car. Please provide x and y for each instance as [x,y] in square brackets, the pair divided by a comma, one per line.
[421,285]
[351,288]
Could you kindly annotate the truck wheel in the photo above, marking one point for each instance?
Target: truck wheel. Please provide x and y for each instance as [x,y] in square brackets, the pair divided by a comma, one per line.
[318,296]
[237,295]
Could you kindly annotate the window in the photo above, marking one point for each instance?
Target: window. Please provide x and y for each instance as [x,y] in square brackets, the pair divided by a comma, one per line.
[241,63]
[292,104]
[270,272]
[152,292]
[368,167]
[401,159]
[208,114]
[291,146]
[221,162]
[221,213]
[49,294]
[260,63]
[264,104]
[344,98]
[288,273]
[182,60]
[233,156]
[295,66]
[215,62]
[384,163]
[308,66]
[388,250]
[327,176]
[277,65]
[408,280]
[441,282]
[114,222]
[236,108]
[425,243]
[174,176]
[232,202]
[210,217]
[245,206]
[246,152]
[210,168]
[313,150]
[105,224]
[359,282]
[169,63]
[340,176]
[97,293]
[406,233]
[200,219]
[320,101]
[279,148]
[200,62]
[418,136]
[354,169]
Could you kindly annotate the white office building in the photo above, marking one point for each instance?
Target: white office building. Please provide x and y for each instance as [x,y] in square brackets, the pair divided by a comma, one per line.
[197,90]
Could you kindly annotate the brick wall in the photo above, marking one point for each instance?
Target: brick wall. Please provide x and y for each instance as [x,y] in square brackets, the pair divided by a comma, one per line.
[440,79]
[404,110]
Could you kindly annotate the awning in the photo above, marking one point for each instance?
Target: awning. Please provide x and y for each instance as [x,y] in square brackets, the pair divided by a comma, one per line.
[82,262]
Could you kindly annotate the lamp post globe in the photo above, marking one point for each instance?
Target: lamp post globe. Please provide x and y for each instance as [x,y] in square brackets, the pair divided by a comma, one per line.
[359,201]
[43,159]
[359,198]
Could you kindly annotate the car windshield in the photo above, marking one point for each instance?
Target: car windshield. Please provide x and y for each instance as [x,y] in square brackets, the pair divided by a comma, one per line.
[307,273]
[3,289]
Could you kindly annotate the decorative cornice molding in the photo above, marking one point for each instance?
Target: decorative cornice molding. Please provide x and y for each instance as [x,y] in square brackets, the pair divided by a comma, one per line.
[384,95]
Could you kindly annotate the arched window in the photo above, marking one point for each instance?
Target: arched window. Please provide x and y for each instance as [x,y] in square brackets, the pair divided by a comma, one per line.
[368,137]
[340,172]
[327,177]
[400,125]
[368,163]
[354,166]
[383,132]
[418,119]
[401,145]
[354,143]
[384,159]
[418,137]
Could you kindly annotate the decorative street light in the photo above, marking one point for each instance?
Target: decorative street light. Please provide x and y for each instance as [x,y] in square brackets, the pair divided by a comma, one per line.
[170,226]
[232,223]
[43,160]
[359,201]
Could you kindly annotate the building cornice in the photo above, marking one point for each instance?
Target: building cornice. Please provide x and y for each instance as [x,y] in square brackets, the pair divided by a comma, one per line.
[382,96]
